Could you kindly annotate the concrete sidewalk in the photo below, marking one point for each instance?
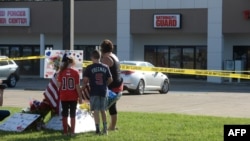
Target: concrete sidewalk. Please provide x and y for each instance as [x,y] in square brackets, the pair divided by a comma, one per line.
[185,97]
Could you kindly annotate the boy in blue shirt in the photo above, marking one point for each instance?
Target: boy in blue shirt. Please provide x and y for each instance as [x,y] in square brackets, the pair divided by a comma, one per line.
[99,77]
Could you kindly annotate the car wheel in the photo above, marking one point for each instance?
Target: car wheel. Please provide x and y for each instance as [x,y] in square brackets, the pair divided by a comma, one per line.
[140,88]
[164,87]
[12,81]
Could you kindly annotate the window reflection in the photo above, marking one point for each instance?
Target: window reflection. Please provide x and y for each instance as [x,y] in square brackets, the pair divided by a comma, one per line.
[4,51]
[14,52]
[201,58]
[162,57]
[188,57]
[175,58]
[27,67]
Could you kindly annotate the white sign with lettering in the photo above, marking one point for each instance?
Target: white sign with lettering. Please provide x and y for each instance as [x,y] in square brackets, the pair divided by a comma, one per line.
[18,122]
[84,122]
[14,17]
[54,57]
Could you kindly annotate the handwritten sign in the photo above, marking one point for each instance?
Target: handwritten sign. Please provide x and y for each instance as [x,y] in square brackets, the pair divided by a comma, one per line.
[55,123]
[84,122]
[18,122]
[54,57]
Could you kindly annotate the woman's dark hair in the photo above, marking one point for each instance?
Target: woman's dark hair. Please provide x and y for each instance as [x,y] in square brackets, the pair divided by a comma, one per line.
[106,46]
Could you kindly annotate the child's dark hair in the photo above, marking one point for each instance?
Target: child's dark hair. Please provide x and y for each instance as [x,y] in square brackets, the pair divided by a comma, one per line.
[66,61]
[96,54]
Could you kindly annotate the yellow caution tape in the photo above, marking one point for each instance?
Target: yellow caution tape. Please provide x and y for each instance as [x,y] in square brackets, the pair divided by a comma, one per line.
[215,73]
[86,63]
[24,58]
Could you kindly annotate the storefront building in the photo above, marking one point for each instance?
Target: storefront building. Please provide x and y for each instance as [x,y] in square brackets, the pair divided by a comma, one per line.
[193,34]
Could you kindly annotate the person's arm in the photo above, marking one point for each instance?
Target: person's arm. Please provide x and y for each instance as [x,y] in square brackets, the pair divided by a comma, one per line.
[109,75]
[85,82]
[110,80]
[78,89]
[58,83]
[85,93]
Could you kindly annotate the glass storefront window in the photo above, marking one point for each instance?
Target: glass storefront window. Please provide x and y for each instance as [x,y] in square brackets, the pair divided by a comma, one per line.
[162,57]
[188,58]
[175,58]
[4,51]
[201,58]
[242,53]
[87,49]
[26,64]
[27,67]
[150,55]
[36,61]
[14,52]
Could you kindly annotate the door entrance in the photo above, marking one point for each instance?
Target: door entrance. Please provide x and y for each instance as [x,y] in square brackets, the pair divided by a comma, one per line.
[242,53]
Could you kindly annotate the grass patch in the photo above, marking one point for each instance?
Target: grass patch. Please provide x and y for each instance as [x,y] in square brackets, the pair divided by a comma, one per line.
[141,127]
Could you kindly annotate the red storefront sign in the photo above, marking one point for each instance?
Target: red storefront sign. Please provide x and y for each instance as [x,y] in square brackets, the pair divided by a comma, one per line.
[167,21]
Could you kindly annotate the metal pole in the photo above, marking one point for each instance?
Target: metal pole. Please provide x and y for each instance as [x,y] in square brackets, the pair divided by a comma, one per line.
[42,48]
[68,24]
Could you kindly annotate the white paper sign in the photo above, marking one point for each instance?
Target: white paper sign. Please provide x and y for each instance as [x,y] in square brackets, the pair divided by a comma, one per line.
[18,122]
[55,56]
[55,123]
[84,122]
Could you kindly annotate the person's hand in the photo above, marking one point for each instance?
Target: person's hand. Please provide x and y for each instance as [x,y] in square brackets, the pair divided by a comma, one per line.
[80,101]
[81,89]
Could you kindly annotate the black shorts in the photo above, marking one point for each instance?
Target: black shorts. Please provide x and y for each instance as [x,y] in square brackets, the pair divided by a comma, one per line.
[113,109]
[69,107]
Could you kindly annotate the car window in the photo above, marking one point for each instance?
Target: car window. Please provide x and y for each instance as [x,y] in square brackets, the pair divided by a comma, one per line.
[11,62]
[127,63]
[150,65]
[142,64]
[3,63]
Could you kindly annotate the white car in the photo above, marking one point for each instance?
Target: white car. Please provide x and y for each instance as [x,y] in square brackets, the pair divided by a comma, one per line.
[136,81]
[9,71]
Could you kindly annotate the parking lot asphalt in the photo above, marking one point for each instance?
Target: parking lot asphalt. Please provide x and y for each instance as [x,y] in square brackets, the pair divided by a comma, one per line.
[186,96]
